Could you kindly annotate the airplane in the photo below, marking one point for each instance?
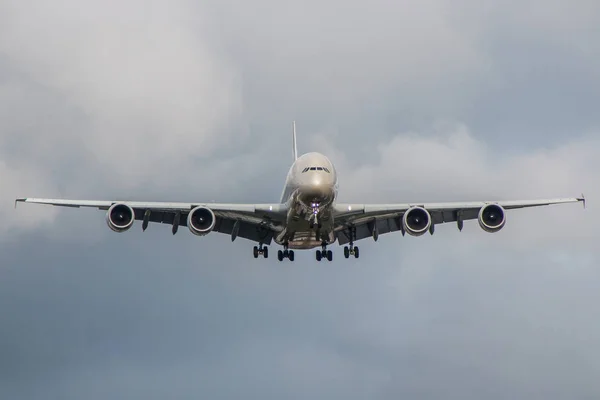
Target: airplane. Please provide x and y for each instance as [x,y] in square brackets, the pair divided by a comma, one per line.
[307,216]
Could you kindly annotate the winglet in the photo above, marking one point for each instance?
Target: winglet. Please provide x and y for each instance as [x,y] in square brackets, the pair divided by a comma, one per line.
[294,140]
[582,199]
[19,200]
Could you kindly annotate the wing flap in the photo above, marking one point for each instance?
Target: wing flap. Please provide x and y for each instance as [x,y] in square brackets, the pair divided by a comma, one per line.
[257,233]
[365,229]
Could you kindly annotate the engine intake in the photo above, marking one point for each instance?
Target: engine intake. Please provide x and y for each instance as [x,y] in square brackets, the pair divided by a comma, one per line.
[201,221]
[120,217]
[492,218]
[416,221]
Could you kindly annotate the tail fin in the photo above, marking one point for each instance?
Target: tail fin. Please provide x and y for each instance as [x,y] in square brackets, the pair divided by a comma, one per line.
[294,138]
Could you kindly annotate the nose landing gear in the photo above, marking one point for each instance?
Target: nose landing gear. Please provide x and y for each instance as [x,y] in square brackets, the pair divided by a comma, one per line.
[313,219]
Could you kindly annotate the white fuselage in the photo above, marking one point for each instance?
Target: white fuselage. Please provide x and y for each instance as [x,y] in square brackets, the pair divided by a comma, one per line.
[310,191]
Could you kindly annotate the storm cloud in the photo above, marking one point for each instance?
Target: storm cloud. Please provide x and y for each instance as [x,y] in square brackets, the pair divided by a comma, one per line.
[412,101]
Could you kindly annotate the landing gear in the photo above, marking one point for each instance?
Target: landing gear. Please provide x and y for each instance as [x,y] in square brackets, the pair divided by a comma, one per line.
[312,225]
[314,220]
[264,250]
[352,249]
[348,251]
[324,253]
[289,254]
[328,254]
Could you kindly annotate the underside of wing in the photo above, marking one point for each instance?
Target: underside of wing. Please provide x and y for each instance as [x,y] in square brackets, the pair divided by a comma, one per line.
[256,222]
[359,221]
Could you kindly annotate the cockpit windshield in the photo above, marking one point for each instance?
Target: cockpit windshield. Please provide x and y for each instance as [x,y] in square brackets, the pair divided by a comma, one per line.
[316,169]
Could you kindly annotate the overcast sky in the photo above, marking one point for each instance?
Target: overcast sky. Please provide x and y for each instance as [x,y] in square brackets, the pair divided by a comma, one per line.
[193,101]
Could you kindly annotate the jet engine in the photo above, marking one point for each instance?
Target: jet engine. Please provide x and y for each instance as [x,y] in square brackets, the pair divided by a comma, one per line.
[120,217]
[492,218]
[201,221]
[416,221]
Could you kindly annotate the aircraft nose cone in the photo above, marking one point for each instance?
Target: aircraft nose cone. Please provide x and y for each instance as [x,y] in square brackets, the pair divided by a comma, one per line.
[316,190]
[316,182]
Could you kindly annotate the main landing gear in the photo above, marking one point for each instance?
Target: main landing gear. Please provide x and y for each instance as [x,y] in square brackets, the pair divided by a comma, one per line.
[352,250]
[289,254]
[324,253]
[264,250]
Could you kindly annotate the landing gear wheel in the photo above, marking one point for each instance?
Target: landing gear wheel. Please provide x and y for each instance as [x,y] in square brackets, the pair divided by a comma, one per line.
[258,250]
[351,249]
[285,253]
[327,254]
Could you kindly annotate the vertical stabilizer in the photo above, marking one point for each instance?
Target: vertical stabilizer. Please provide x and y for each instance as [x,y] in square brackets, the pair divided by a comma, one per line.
[294,139]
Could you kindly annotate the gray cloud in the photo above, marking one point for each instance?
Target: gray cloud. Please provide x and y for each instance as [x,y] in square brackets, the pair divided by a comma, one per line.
[413,101]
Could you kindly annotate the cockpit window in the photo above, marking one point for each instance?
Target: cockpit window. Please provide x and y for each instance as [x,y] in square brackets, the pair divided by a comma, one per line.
[316,169]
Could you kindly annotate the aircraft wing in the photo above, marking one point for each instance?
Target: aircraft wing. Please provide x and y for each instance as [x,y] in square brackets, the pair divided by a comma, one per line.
[371,220]
[256,222]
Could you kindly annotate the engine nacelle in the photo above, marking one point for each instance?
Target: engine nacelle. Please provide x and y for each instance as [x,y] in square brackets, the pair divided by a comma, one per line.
[492,218]
[201,221]
[416,221]
[120,217]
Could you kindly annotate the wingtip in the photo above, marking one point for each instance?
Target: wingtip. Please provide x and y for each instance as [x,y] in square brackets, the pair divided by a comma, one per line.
[582,199]
[20,200]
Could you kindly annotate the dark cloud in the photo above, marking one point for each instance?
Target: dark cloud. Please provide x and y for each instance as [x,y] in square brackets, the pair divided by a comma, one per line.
[431,322]
[413,101]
